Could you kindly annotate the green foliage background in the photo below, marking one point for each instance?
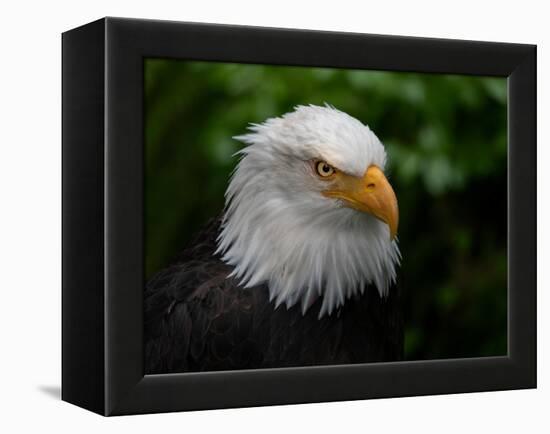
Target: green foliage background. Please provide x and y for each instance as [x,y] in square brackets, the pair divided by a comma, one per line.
[446,140]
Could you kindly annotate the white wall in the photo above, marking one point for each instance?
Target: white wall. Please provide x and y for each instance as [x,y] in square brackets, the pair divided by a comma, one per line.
[30,80]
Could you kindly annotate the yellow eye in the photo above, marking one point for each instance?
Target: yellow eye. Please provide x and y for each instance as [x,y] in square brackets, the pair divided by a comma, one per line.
[324,169]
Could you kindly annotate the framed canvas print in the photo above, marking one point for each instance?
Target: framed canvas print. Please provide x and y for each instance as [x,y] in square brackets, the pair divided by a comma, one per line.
[258,216]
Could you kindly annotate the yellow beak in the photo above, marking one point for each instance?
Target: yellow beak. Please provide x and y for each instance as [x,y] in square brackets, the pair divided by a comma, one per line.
[372,194]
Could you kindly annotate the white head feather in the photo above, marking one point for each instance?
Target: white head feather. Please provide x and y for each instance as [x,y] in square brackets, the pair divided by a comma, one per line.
[280,230]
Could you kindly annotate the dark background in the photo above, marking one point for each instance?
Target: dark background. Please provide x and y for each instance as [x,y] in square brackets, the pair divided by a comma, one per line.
[446,140]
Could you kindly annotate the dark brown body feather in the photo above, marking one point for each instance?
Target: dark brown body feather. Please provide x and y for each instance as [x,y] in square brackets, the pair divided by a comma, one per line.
[198,319]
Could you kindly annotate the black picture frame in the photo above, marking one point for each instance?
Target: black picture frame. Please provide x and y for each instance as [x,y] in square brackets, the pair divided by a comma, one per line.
[103,216]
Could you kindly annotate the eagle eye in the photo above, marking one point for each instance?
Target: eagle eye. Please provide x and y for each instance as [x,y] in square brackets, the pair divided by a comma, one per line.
[324,169]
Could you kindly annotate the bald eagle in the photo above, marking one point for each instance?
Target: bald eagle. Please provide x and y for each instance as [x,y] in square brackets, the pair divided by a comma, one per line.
[300,268]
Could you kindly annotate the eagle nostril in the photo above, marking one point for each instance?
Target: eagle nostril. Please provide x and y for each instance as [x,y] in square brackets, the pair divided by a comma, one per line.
[371,185]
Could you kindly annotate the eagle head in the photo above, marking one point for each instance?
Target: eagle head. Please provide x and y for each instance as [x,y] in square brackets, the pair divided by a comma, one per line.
[309,211]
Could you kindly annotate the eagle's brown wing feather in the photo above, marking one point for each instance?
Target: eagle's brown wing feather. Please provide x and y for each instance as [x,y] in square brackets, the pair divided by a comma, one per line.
[198,319]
